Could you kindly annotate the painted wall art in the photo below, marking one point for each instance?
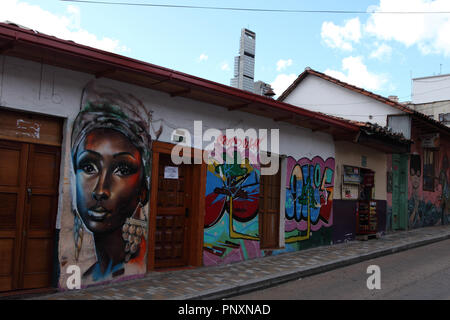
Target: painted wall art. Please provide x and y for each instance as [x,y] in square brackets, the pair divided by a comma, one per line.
[309,202]
[429,207]
[231,218]
[110,153]
[428,187]
[444,188]
[231,222]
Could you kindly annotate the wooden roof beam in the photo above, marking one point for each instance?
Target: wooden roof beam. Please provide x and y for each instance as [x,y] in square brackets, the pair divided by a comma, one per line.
[321,128]
[344,137]
[7,47]
[180,92]
[105,73]
[238,106]
[290,117]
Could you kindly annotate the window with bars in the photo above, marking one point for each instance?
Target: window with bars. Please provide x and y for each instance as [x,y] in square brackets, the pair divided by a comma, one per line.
[444,118]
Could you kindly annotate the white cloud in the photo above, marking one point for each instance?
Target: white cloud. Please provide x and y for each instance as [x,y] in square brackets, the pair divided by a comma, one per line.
[382,51]
[203,57]
[429,32]
[282,82]
[283,64]
[341,37]
[225,67]
[358,75]
[65,26]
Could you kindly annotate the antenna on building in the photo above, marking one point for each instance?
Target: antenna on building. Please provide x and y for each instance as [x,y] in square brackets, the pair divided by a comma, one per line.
[440,68]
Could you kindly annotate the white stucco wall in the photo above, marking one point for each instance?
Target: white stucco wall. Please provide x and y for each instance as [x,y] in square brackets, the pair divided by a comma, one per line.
[57,92]
[350,154]
[320,95]
[433,109]
[30,86]
[44,89]
[430,89]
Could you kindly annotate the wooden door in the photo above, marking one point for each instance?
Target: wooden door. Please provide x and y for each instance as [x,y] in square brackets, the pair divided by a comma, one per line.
[29,176]
[269,210]
[172,213]
[403,190]
[399,192]
[395,191]
[13,160]
[40,216]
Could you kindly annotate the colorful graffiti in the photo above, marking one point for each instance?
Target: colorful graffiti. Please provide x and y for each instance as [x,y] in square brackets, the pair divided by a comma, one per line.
[231,221]
[428,208]
[444,182]
[111,165]
[308,208]
[309,197]
[232,188]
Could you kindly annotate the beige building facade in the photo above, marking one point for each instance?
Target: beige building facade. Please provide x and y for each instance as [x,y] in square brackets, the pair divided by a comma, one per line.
[355,155]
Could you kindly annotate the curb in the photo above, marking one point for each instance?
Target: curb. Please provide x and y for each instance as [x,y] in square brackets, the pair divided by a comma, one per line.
[273,280]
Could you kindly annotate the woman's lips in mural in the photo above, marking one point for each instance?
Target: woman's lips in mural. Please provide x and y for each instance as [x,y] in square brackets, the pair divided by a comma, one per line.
[98,213]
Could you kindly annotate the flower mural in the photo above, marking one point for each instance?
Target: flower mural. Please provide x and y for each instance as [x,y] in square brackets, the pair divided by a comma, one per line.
[232,197]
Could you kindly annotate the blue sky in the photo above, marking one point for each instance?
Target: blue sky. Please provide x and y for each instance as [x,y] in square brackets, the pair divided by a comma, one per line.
[379,52]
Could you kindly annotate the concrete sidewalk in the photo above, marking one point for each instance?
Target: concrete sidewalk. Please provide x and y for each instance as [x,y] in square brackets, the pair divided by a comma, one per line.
[224,281]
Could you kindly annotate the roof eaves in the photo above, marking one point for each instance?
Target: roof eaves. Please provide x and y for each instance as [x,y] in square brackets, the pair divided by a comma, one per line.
[293,85]
[354,88]
[18,34]
[379,131]
[362,91]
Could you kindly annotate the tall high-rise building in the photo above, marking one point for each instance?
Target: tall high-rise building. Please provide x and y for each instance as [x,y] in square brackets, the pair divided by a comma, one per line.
[244,67]
[244,64]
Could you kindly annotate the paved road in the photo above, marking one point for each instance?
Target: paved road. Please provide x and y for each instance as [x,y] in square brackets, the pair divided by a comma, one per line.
[421,273]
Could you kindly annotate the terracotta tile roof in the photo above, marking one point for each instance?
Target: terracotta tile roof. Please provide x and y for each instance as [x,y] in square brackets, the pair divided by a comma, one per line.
[379,131]
[400,106]
[309,71]
[24,43]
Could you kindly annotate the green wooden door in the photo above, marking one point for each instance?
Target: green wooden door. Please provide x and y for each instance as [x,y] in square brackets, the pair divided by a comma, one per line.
[399,191]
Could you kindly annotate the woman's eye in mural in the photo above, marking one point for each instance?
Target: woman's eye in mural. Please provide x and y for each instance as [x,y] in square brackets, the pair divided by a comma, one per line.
[125,169]
[88,162]
[89,168]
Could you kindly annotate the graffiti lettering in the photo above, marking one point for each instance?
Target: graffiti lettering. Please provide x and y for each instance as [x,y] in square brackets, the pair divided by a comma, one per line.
[308,195]
[251,143]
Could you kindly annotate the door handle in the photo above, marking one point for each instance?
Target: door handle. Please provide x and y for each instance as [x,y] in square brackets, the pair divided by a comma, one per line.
[186,212]
[30,193]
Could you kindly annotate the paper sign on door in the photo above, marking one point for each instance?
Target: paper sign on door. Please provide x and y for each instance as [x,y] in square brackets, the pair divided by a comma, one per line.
[170,172]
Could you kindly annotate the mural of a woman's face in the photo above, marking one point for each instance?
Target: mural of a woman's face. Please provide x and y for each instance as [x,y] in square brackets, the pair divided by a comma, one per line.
[109,179]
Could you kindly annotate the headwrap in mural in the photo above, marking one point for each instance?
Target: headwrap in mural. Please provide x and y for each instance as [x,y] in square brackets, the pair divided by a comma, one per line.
[110,149]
